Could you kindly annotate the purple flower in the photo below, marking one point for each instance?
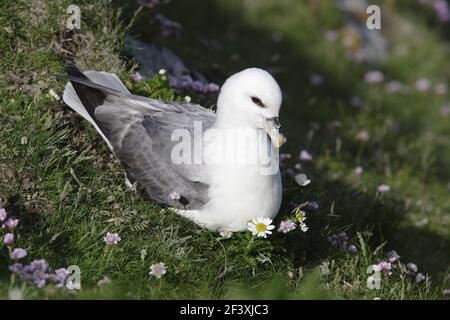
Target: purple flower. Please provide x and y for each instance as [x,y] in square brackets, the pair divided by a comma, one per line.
[442,10]
[392,256]
[352,248]
[286,226]
[440,89]
[312,206]
[212,87]
[305,156]
[339,240]
[420,277]
[374,77]
[11,223]
[423,85]
[8,239]
[136,77]
[3,215]
[16,268]
[315,79]
[61,275]
[18,253]
[411,268]
[111,239]
[169,28]
[394,86]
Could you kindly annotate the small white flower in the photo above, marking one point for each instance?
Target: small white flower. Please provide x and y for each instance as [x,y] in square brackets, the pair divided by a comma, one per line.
[305,156]
[158,270]
[358,171]
[162,72]
[382,188]
[302,180]
[174,195]
[226,234]
[303,227]
[187,99]
[260,227]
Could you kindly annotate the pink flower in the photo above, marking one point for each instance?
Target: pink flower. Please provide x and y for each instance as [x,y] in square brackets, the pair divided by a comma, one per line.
[174,195]
[442,10]
[374,77]
[358,171]
[286,226]
[382,188]
[423,85]
[136,77]
[305,156]
[11,223]
[440,89]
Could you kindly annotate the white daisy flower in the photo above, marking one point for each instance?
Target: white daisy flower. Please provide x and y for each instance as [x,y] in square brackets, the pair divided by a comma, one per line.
[260,227]
[158,270]
[162,72]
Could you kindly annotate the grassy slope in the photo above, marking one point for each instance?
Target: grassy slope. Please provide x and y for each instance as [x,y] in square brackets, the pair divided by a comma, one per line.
[68,192]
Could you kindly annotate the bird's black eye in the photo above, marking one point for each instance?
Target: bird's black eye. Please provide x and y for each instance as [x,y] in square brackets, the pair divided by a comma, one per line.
[258,101]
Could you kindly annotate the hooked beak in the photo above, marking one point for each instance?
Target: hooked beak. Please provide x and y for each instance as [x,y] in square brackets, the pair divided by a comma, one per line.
[272,126]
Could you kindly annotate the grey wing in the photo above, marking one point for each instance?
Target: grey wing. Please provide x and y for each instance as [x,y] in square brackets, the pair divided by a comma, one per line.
[140,131]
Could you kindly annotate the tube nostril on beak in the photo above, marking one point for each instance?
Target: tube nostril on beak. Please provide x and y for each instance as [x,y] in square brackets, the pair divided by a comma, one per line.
[276,122]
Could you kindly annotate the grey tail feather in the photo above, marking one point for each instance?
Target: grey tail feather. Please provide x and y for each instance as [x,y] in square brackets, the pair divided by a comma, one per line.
[89,96]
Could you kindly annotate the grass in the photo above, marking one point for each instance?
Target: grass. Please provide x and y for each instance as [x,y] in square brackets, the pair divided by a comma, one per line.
[68,192]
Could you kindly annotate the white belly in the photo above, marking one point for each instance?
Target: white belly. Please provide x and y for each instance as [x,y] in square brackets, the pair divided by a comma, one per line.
[241,191]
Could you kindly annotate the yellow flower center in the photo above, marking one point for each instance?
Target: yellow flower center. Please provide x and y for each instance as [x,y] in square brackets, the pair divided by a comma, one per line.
[260,227]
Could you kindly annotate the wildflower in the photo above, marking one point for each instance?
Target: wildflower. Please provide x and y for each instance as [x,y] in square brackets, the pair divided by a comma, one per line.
[442,10]
[11,223]
[3,215]
[298,166]
[339,240]
[382,188]
[352,248]
[394,86]
[302,180]
[316,79]
[331,35]
[260,227]
[187,99]
[305,156]
[303,227]
[162,72]
[358,171]
[384,265]
[420,277]
[411,268]
[312,206]
[16,268]
[23,140]
[445,111]
[174,195]
[18,253]
[104,281]
[136,77]
[212,87]
[61,275]
[8,239]
[286,226]
[392,256]
[423,85]
[373,77]
[440,89]
[446,293]
[158,270]
[112,239]
[226,234]
[362,136]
